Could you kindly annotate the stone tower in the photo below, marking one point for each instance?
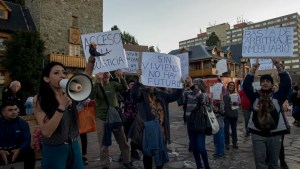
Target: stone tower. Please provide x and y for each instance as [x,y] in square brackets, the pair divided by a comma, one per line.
[60,22]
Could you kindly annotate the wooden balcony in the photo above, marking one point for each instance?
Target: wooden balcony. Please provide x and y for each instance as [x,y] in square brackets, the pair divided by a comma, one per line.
[68,61]
[203,72]
[209,72]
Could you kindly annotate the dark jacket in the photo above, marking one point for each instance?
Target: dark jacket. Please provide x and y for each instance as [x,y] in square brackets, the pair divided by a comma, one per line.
[278,98]
[14,134]
[139,94]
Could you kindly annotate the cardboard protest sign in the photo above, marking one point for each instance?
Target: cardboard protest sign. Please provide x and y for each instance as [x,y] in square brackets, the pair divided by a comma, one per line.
[110,45]
[132,60]
[161,70]
[184,61]
[271,42]
[221,66]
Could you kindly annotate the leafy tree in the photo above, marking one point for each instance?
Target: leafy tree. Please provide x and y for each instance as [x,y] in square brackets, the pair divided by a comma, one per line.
[23,59]
[127,38]
[151,49]
[213,40]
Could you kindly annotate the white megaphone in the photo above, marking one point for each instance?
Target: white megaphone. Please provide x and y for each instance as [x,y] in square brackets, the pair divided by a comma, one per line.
[78,87]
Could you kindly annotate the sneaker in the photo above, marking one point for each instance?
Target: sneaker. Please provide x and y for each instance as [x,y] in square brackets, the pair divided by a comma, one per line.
[227,146]
[135,154]
[129,165]
[85,160]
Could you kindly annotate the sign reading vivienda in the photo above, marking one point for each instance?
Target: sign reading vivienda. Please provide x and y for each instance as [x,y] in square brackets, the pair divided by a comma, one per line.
[109,44]
[161,70]
[273,42]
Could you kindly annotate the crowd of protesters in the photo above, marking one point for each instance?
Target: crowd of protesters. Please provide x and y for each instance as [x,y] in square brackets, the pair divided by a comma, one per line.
[144,110]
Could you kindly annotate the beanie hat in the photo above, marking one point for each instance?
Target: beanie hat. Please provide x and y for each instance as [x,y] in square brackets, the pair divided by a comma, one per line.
[267,77]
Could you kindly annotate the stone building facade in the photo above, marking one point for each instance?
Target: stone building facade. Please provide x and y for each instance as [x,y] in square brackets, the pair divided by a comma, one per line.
[60,23]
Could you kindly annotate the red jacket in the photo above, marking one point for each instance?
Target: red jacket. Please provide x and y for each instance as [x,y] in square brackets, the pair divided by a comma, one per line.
[245,102]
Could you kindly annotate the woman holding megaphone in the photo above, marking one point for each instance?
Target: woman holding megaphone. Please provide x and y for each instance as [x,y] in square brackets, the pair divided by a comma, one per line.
[56,115]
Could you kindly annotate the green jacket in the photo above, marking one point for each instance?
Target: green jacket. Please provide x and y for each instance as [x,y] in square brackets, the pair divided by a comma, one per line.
[111,90]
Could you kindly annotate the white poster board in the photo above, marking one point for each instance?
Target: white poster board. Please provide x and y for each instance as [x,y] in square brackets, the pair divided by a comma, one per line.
[221,66]
[264,64]
[132,60]
[235,100]
[216,91]
[271,42]
[161,70]
[184,61]
[108,43]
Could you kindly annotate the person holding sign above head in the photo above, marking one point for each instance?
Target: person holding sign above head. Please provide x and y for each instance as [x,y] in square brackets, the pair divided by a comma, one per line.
[267,124]
[153,109]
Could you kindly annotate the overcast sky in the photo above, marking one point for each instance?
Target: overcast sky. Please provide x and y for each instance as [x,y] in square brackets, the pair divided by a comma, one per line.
[164,23]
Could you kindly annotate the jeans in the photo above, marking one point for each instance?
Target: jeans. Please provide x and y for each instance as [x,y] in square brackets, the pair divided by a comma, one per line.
[247,114]
[232,121]
[266,148]
[120,137]
[56,156]
[198,146]
[219,142]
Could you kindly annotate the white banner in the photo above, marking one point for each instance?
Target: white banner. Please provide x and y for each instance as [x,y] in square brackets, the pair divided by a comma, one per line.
[110,45]
[184,62]
[161,70]
[132,60]
[272,42]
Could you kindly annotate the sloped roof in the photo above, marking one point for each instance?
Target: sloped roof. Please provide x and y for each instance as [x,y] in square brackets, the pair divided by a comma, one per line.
[198,52]
[19,19]
[236,49]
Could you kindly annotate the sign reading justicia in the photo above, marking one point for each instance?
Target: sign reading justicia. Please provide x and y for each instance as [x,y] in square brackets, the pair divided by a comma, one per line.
[271,42]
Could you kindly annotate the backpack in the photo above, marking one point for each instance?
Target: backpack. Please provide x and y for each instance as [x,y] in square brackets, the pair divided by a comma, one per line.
[265,115]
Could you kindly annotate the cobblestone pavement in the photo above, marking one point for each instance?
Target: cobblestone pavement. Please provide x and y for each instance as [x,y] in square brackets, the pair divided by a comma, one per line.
[181,158]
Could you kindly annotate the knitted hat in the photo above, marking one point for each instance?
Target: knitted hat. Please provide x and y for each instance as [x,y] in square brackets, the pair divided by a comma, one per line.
[201,84]
[267,77]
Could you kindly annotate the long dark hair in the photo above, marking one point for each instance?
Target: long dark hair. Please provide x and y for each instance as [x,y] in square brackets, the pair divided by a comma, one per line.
[46,97]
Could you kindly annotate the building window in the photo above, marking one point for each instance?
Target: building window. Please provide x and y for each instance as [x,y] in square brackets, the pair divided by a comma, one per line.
[74,50]
[74,21]
[295,66]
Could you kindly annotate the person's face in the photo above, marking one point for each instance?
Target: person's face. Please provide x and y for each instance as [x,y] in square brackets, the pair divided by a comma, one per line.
[130,85]
[56,74]
[231,86]
[106,77]
[10,112]
[16,87]
[266,84]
